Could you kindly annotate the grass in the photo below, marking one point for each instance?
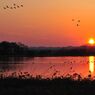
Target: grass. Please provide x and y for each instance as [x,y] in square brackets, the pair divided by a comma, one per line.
[28,85]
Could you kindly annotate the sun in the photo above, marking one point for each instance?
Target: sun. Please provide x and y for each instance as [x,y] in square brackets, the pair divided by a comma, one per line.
[91,41]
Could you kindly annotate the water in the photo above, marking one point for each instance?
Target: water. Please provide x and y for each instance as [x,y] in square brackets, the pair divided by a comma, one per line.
[49,66]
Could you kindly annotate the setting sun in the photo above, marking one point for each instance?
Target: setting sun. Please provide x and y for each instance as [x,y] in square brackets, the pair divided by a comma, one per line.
[91,41]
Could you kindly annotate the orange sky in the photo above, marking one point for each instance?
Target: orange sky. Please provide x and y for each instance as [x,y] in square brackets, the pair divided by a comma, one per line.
[48,22]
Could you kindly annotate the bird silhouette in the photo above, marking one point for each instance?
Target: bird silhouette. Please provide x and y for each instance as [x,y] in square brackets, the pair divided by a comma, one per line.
[72,19]
[78,25]
[14,7]
[7,6]
[4,8]
[78,20]
[11,7]
[21,5]
[18,6]
[14,4]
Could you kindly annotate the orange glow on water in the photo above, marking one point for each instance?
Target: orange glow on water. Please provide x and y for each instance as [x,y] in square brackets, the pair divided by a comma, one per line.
[52,66]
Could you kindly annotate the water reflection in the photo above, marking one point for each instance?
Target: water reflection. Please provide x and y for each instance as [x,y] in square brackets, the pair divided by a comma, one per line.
[48,66]
[91,64]
[13,60]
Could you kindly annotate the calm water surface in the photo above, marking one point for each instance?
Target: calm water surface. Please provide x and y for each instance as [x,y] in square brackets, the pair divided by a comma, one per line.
[50,66]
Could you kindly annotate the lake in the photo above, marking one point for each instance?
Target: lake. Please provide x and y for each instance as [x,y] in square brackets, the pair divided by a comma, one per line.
[49,66]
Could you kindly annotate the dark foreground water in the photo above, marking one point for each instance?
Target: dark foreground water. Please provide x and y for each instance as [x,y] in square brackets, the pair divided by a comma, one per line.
[49,66]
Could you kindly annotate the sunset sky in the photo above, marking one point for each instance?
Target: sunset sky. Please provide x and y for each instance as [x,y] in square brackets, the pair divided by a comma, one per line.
[48,22]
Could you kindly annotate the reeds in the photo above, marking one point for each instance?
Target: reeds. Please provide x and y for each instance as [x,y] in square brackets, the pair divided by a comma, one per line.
[55,75]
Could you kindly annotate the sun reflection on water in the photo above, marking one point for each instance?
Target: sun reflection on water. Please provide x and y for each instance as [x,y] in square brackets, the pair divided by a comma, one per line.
[91,64]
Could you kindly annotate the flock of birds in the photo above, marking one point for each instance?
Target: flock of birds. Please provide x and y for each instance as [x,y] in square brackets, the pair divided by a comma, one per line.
[14,6]
[78,22]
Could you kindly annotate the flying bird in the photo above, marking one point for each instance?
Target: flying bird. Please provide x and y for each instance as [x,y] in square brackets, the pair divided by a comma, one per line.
[78,20]
[18,7]
[72,19]
[78,25]
[4,8]
[21,5]
[11,7]
[14,7]
[7,6]
[14,4]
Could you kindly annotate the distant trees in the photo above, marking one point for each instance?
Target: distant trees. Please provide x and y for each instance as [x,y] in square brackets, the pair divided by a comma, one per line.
[12,49]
